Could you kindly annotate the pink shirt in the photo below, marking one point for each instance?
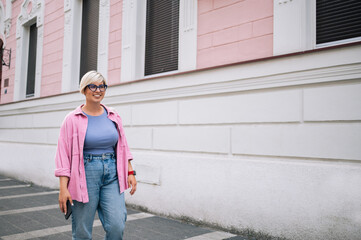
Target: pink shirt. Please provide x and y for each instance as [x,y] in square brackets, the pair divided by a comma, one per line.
[69,159]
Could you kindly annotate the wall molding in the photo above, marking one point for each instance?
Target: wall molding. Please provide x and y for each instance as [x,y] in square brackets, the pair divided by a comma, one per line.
[230,79]
[327,75]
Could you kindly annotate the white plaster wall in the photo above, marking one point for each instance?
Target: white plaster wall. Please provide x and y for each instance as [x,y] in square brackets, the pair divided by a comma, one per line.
[270,146]
[295,198]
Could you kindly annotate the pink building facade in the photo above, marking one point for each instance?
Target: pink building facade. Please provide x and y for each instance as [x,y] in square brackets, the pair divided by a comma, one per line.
[227,32]
[246,117]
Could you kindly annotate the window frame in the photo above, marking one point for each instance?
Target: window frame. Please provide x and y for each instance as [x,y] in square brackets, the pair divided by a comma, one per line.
[158,56]
[30,63]
[133,39]
[25,19]
[86,50]
[332,43]
[72,42]
[295,27]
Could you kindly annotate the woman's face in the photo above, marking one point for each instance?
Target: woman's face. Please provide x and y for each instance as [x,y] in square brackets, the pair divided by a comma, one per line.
[96,96]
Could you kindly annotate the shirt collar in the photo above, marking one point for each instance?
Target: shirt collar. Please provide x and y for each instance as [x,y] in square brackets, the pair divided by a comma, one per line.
[78,110]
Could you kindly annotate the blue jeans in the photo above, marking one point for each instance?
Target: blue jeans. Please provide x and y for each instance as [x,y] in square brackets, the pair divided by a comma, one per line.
[104,196]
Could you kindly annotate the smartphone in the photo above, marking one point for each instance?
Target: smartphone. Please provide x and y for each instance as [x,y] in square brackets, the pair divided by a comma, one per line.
[68,210]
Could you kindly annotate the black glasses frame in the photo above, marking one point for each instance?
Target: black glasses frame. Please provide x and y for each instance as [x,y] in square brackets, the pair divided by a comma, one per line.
[93,87]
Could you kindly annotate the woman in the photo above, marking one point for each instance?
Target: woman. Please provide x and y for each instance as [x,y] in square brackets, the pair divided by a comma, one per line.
[93,163]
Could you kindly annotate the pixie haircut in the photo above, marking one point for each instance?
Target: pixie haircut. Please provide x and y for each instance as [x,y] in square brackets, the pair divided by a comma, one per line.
[90,78]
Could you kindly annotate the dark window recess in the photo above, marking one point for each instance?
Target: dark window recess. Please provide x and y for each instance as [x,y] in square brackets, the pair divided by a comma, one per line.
[89,36]
[162,33]
[30,82]
[337,20]
[6,82]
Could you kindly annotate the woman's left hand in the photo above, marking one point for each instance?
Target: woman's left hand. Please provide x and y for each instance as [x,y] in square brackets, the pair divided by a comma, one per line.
[132,182]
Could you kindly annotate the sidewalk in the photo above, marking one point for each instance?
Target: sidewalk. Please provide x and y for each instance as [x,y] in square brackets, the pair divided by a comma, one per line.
[32,212]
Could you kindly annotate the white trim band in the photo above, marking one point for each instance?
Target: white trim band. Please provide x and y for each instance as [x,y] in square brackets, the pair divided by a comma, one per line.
[212,236]
[29,195]
[14,186]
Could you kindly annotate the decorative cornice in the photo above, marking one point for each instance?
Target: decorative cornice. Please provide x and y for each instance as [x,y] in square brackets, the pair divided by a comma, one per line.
[329,74]
[131,94]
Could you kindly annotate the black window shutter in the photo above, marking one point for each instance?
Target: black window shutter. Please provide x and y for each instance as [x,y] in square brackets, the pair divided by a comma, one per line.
[89,36]
[30,82]
[162,33]
[337,20]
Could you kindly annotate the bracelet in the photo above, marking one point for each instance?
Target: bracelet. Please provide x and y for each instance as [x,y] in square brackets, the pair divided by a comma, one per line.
[131,173]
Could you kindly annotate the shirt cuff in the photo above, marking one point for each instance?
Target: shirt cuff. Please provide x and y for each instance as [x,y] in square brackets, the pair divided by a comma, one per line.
[62,172]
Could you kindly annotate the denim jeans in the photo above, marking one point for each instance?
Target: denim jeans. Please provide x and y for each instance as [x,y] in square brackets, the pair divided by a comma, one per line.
[104,196]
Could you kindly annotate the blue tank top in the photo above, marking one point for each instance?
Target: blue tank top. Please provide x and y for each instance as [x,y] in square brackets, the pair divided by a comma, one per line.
[101,135]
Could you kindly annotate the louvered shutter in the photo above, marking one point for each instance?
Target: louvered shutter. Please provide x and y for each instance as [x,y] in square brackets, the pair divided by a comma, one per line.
[30,82]
[162,33]
[89,36]
[337,20]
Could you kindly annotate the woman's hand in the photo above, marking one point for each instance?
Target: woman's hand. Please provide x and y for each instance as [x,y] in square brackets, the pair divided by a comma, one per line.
[131,179]
[64,194]
[132,182]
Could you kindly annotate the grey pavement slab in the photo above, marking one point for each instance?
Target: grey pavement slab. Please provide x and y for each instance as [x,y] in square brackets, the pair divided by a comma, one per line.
[26,202]
[37,217]
[238,238]
[162,228]
[10,183]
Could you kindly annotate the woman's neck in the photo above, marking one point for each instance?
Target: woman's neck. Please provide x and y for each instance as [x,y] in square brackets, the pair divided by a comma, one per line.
[94,109]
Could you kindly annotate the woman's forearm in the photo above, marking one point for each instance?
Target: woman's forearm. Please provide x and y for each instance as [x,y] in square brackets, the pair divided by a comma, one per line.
[63,183]
[130,168]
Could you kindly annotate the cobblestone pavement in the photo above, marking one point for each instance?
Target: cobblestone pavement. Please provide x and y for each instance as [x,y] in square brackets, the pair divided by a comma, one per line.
[31,212]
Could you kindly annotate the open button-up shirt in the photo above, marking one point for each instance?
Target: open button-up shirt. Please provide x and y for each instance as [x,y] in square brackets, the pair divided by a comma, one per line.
[69,159]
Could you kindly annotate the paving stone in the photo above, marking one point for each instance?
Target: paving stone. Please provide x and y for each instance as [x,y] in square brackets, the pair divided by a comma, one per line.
[162,228]
[47,218]
[11,183]
[152,228]
[59,236]
[27,202]
[7,228]
[238,238]
[31,221]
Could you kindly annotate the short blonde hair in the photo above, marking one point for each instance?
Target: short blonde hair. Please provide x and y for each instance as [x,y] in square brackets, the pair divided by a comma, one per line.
[89,78]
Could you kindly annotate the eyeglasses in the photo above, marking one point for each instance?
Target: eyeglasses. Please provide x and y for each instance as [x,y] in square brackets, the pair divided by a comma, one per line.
[94,87]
